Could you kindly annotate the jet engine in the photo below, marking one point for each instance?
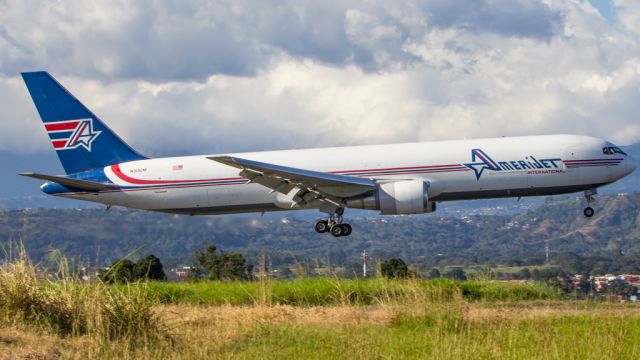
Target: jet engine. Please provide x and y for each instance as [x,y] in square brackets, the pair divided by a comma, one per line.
[399,197]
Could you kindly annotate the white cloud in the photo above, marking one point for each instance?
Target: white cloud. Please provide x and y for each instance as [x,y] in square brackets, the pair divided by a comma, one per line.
[191,77]
[629,15]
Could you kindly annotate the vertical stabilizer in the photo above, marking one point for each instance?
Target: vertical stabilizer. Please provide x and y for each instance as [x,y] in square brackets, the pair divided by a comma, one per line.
[81,140]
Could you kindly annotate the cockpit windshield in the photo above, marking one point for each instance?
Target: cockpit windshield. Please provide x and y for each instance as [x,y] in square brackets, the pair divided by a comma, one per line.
[612,150]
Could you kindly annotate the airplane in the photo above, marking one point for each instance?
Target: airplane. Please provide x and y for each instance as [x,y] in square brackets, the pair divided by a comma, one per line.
[394,179]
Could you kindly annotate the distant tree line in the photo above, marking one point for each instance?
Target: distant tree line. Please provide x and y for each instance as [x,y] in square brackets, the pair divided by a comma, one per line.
[473,240]
[211,264]
[125,270]
[222,265]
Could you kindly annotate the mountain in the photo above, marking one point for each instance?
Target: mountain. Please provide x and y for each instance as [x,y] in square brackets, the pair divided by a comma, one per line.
[97,235]
[18,192]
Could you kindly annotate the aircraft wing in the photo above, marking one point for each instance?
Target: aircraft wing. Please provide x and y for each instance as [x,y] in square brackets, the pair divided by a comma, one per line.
[74,183]
[313,184]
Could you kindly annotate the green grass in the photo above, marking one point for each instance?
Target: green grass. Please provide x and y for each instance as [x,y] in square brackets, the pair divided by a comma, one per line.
[507,291]
[314,318]
[517,269]
[328,291]
[561,337]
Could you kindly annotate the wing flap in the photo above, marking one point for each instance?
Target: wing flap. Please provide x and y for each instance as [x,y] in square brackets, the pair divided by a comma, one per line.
[283,178]
[73,183]
[276,184]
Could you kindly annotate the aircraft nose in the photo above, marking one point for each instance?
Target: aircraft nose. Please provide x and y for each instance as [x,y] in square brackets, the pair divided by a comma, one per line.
[631,165]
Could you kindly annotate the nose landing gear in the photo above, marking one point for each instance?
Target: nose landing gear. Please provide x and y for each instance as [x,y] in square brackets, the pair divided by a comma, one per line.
[588,211]
[334,225]
[588,194]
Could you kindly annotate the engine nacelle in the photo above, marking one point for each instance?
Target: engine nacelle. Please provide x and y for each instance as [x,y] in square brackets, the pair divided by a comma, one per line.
[398,197]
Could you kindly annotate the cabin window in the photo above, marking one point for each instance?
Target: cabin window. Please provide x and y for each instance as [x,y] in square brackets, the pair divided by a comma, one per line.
[617,150]
[611,150]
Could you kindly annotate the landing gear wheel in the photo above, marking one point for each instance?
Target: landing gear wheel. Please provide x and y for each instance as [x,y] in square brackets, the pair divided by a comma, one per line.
[322,226]
[588,194]
[588,212]
[336,230]
[346,229]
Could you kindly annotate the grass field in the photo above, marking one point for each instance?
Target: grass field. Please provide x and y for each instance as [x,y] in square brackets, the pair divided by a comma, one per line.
[308,318]
[331,292]
[526,330]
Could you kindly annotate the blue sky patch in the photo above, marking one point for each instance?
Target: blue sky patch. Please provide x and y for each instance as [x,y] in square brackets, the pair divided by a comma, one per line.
[606,8]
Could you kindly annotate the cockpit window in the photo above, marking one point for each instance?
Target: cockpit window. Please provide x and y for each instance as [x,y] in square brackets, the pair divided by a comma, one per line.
[611,150]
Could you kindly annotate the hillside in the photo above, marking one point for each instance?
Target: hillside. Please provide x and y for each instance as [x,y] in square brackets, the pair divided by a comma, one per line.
[96,234]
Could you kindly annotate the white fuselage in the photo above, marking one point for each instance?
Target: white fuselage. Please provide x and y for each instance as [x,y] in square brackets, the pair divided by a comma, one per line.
[463,169]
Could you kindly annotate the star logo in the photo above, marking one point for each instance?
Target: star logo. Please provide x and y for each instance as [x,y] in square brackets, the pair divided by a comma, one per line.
[479,167]
[83,135]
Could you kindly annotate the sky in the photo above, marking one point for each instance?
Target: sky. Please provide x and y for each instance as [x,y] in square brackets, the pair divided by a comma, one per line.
[191,77]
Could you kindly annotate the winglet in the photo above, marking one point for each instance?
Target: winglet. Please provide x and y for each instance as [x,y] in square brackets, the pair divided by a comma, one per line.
[73,183]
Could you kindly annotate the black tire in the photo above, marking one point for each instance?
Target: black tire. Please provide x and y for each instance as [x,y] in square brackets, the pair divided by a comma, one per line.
[322,226]
[588,212]
[336,230]
[346,229]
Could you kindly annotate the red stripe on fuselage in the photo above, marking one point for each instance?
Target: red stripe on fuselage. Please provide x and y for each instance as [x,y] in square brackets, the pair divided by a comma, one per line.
[391,169]
[435,168]
[579,161]
[116,170]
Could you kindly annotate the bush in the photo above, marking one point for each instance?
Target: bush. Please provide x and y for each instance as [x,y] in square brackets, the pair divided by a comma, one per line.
[394,268]
[223,265]
[456,273]
[125,270]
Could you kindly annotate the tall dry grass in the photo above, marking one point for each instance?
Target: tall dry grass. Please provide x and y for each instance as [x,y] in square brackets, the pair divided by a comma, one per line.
[63,305]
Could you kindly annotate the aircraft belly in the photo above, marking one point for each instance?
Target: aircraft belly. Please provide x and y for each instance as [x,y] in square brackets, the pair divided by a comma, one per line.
[502,193]
[229,200]
[191,198]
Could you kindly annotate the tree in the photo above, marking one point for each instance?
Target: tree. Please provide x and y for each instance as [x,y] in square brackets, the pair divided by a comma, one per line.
[207,259]
[434,273]
[620,287]
[394,268]
[223,266]
[456,273]
[123,270]
[584,285]
[150,267]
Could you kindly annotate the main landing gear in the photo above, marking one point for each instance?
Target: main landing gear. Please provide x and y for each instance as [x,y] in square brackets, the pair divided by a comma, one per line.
[588,194]
[334,225]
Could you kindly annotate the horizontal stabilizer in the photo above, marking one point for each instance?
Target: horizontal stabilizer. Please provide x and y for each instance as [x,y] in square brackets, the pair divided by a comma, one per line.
[73,183]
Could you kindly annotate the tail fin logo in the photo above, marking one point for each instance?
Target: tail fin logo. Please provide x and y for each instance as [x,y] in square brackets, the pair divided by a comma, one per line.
[72,134]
